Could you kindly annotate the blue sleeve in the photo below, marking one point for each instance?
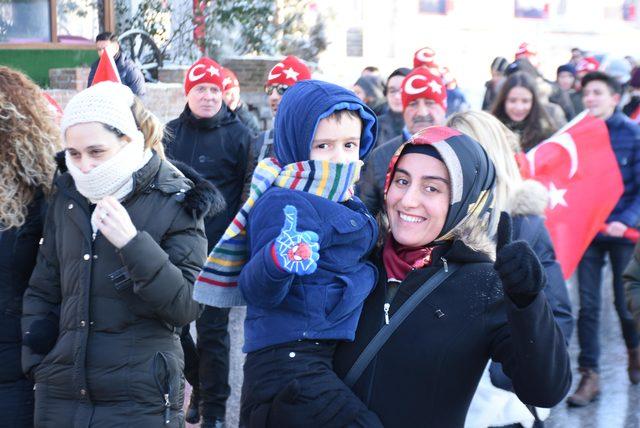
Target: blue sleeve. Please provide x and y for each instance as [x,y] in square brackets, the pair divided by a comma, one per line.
[92,73]
[631,215]
[135,80]
[261,282]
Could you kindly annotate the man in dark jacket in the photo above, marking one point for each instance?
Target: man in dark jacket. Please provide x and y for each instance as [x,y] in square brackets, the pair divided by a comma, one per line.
[601,95]
[424,100]
[130,73]
[390,123]
[282,76]
[209,137]
[231,96]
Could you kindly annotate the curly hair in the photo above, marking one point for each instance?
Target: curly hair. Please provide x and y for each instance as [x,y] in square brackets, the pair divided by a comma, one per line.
[30,139]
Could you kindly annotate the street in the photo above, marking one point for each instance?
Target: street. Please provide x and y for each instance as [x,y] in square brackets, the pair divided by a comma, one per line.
[619,403]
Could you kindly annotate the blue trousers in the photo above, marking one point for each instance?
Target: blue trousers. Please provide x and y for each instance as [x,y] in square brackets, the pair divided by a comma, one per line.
[590,283]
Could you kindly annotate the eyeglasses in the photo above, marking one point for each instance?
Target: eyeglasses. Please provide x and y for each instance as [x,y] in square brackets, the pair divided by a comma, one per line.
[278,88]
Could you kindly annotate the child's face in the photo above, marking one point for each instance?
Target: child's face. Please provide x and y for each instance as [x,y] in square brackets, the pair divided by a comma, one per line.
[337,141]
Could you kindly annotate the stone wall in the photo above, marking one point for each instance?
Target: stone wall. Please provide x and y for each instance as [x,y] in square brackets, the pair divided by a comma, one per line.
[167,99]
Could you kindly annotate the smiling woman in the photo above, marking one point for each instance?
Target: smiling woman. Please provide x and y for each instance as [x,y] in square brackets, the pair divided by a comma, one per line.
[518,106]
[448,306]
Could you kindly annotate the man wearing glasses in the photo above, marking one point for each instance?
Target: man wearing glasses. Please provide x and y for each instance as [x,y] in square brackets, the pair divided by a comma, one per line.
[282,76]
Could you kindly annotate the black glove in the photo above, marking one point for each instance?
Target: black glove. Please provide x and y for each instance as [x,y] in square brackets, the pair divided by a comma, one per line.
[41,336]
[518,266]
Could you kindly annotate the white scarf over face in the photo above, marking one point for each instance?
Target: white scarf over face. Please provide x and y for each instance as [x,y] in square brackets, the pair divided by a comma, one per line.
[114,177]
[108,103]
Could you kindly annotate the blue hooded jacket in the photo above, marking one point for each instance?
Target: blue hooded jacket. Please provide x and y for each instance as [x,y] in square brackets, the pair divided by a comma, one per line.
[283,307]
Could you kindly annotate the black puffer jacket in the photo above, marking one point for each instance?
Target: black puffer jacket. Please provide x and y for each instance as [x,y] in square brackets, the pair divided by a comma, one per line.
[371,184]
[218,149]
[428,370]
[18,249]
[118,351]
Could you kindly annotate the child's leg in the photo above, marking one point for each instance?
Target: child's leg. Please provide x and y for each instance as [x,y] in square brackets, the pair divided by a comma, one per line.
[316,397]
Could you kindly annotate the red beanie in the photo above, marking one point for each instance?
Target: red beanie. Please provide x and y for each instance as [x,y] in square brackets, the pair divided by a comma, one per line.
[229,79]
[288,72]
[525,50]
[588,64]
[204,70]
[422,83]
[425,56]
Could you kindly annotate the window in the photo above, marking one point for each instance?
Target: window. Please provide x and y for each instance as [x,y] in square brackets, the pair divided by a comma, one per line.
[79,21]
[34,22]
[629,10]
[537,9]
[434,6]
[25,21]
[354,42]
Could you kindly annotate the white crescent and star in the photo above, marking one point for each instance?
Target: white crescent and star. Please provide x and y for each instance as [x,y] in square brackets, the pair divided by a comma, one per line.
[556,196]
[425,54]
[272,75]
[435,87]
[192,73]
[291,73]
[563,140]
[410,89]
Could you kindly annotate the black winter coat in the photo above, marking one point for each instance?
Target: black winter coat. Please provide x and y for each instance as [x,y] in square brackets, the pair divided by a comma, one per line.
[248,119]
[428,370]
[118,349]
[371,184]
[130,73]
[218,149]
[18,250]
[390,126]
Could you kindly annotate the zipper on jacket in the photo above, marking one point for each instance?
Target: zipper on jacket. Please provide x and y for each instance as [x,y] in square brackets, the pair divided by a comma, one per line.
[163,384]
[386,313]
[446,266]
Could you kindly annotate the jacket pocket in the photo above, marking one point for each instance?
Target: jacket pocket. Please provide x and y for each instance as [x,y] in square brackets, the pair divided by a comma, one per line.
[167,374]
[349,241]
[123,284]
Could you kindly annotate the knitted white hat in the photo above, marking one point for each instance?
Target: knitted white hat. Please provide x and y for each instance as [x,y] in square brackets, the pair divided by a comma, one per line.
[105,102]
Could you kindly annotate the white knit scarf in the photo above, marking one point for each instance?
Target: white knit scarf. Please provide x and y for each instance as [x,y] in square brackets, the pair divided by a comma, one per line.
[113,177]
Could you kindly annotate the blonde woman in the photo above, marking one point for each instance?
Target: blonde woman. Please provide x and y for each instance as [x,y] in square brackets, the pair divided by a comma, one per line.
[29,141]
[525,200]
[123,242]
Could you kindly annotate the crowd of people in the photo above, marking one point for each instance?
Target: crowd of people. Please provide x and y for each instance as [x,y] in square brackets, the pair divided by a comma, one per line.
[394,262]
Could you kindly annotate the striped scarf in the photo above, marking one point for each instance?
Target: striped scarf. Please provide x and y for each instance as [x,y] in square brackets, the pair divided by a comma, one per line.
[217,284]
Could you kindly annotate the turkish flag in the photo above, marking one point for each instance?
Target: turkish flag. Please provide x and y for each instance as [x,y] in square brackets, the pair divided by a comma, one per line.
[578,167]
[106,70]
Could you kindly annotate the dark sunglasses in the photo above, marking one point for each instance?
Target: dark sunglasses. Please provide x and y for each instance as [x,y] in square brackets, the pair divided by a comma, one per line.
[278,88]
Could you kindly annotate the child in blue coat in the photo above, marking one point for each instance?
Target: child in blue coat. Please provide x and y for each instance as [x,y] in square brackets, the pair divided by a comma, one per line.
[296,254]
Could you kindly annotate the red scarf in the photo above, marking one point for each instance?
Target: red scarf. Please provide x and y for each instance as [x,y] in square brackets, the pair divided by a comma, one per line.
[399,260]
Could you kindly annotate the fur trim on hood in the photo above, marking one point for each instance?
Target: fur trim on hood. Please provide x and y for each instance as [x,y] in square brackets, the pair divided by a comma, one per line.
[203,198]
[473,233]
[530,199]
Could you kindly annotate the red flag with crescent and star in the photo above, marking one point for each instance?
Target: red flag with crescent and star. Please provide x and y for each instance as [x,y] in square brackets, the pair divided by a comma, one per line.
[579,168]
[106,70]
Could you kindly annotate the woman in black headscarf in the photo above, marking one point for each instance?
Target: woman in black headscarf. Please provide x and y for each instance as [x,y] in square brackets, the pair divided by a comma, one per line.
[438,194]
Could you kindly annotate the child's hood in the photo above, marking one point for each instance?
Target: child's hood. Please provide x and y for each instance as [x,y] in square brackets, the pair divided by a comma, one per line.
[303,105]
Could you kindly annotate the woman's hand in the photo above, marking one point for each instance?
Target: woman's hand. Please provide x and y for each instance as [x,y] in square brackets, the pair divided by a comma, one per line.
[518,266]
[114,222]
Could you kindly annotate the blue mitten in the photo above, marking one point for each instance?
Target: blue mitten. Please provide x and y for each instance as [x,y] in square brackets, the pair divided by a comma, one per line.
[296,252]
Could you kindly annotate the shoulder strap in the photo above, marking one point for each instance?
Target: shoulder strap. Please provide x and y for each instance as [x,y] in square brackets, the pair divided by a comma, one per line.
[387,330]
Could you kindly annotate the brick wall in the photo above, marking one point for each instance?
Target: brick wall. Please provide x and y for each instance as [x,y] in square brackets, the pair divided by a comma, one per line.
[166,99]
[69,78]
